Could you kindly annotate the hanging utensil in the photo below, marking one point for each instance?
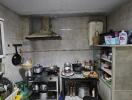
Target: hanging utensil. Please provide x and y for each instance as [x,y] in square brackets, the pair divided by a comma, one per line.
[16,59]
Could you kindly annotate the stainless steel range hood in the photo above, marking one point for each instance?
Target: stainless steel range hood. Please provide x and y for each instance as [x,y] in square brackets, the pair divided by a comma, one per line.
[40,28]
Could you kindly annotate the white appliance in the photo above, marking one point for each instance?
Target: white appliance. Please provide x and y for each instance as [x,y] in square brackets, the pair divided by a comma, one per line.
[93,27]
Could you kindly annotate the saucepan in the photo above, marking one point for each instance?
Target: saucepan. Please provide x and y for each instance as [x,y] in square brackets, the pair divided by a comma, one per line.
[16,59]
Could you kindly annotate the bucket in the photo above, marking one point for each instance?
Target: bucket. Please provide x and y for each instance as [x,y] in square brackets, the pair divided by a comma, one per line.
[83,91]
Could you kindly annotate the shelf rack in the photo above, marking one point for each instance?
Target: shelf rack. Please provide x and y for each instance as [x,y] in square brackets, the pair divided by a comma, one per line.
[108,71]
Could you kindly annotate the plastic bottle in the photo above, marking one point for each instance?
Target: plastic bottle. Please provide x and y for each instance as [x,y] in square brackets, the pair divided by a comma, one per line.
[116,38]
[93,92]
[123,37]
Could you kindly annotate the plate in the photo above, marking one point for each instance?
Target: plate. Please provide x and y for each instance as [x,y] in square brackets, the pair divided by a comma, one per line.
[67,74]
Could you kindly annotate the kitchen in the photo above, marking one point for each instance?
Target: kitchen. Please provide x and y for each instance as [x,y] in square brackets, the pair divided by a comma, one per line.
[70,24]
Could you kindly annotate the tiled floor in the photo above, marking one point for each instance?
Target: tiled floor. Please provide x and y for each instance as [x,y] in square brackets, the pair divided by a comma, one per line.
[72,98]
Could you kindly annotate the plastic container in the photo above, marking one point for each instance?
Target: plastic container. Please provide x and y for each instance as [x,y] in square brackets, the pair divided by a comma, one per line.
[113,41]
[123,37]
[108,40]
[83,91]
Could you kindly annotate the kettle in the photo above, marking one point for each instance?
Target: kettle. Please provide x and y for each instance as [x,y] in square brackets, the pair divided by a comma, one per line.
[67,67]
[38,69]
[43,87]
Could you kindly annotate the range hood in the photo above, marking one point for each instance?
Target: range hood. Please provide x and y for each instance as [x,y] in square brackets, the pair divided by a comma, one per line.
[40,28]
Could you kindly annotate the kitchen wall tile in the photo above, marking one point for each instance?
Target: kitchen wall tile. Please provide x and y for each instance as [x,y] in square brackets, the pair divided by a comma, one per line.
[11,71]
[74,43]
[60,57]
[12,28]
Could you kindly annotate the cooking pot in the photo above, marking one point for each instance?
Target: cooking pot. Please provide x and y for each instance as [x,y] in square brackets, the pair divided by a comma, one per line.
[28,73]
[38,69]
[16,59]
[36,88]
[43,87]
[53,68]
[77,67]
[67,67]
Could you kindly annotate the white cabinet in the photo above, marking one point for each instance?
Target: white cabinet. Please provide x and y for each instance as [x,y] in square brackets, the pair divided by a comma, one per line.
[93,27]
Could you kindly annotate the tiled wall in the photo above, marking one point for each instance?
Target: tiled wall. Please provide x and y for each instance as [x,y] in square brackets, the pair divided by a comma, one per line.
[121,18]
[73,46]
[12,28]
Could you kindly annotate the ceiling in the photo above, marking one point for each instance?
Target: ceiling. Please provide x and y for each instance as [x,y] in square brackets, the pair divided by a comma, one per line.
[29,7]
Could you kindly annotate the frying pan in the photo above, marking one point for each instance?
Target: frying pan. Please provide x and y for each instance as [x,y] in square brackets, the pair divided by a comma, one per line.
[16,59]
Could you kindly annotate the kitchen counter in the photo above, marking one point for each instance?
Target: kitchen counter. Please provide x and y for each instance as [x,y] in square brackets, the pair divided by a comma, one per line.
[74,76]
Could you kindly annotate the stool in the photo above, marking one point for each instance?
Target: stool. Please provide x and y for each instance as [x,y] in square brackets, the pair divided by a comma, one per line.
[89,98]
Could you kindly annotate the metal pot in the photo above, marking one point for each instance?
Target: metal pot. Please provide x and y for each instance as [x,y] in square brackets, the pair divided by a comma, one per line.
[28,73]
[67,67]
[37,69]
[43,87]
[35,87]
[67,64]
[77,67]
[53,68]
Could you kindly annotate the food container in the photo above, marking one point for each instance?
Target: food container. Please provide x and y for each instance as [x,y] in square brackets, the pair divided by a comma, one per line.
[109,40]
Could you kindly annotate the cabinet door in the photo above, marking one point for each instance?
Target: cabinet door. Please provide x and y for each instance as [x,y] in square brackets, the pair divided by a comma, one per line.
[104,91]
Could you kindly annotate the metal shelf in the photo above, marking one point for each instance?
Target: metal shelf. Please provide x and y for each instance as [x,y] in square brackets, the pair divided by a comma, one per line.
[108,71]
[127,45]
[101,79]
[105,59]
